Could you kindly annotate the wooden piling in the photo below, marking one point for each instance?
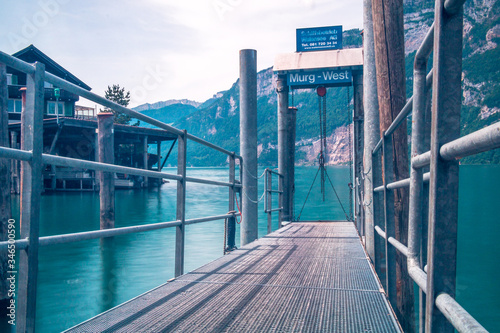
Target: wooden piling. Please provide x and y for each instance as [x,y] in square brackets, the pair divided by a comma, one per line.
[158,152]
[358,148]
[390,66]
[145,158]
[106,179]
[290,173]
[96,158]
[283,153]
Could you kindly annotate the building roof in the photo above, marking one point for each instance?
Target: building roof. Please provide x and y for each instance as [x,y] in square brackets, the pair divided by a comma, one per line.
[299,61]
[31,54]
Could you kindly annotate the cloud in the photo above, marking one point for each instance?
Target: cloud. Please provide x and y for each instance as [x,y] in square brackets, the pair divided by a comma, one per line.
[192,44]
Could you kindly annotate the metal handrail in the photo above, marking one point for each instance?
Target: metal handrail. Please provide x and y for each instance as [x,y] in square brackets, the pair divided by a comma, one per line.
[31,240]
[479,141]
[482,140]
[22,244]
[401,116]
[399,184]
[268,201]
[77,90]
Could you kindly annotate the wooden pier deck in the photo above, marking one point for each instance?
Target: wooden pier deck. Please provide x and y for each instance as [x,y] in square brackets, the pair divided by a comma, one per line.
[305,277]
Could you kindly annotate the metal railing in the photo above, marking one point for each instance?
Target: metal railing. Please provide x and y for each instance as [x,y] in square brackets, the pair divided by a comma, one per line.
[438,307]
[268,198]
[33,159]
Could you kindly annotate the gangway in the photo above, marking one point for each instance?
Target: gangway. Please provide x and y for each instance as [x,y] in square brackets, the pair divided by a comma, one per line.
[304,277]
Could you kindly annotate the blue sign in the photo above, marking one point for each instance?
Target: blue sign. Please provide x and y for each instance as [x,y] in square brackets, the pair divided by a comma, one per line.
[319,39]
[325,77]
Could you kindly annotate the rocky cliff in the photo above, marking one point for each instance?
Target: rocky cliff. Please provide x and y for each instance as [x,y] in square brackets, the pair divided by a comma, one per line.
[217,120]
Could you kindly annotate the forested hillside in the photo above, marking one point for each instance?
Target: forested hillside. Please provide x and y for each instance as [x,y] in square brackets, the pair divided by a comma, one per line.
[217,120]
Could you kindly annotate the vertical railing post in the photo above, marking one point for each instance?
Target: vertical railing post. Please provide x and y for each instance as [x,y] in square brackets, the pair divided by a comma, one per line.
[280,200]
[181,204]
[377,218]
[390,251]
[106,179]
[269,200]
[443,186]
[231,222]
[31,189]
[416,211]
[5,189]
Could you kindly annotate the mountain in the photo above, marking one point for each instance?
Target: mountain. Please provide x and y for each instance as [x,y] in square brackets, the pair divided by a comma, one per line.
[159,105]
[169,113]
[481,68]
[217,120]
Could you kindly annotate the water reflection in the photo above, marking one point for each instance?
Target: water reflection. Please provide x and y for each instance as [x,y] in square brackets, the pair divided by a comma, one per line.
[109,273]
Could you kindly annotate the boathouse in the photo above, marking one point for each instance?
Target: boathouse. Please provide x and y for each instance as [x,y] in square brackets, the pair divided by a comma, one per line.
[70,130]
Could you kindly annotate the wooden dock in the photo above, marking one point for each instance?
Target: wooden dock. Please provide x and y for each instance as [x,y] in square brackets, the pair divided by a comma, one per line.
[305,277]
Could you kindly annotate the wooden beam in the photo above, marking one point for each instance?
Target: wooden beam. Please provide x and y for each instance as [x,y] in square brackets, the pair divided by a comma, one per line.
[158,152]
[390,66]
[145,158]
[106,179]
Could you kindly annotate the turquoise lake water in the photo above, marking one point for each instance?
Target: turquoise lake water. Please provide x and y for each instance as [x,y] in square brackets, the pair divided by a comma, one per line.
[80,280]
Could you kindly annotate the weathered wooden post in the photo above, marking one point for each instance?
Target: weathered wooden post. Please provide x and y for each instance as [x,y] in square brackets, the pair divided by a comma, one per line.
[390,61]
[106,179]
[145,159]
[96,158]
[248,145]
[158,153]
[5,212]
[358,146]
[290,171]
[181,204]
[283,147]
[31,189]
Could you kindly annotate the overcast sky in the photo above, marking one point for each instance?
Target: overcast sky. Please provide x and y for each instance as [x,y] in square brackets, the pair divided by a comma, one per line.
[164,49]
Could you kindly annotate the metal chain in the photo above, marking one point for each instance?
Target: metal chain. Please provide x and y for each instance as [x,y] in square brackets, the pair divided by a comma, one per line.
[257,178]
[307,197]
[256,202]
[336,194]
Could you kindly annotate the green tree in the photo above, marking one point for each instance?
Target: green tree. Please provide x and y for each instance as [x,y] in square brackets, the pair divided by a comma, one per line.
[118,95]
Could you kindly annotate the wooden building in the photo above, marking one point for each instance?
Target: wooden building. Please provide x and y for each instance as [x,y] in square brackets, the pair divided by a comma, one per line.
[67,133]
